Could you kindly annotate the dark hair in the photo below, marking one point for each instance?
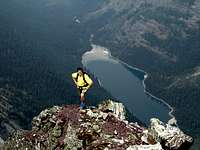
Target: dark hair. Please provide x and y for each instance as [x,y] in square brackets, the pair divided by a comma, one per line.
[79,68]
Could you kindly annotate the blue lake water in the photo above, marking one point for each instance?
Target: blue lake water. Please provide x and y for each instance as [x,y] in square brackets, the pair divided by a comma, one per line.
[125,84]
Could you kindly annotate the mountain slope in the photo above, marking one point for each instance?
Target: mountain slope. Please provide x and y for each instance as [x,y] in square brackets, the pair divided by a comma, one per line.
[40,46]
[161,37]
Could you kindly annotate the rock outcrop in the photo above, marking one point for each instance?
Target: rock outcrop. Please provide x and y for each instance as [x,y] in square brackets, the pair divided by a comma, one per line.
[1,143]
[15,105]
[104,127]
[170,136]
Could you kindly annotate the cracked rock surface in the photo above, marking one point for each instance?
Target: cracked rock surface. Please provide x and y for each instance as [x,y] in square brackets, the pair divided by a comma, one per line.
[101,128]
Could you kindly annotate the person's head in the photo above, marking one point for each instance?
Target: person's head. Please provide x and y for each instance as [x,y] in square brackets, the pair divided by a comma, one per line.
[80,71]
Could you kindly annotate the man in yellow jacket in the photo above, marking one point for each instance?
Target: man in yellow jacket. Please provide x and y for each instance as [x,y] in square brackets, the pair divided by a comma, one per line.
[83,83]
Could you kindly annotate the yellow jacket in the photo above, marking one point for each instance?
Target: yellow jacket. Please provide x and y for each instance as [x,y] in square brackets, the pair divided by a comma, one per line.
[80,81]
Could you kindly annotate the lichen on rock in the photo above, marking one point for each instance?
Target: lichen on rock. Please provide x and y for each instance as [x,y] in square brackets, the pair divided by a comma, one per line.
[104,127]
[171,136]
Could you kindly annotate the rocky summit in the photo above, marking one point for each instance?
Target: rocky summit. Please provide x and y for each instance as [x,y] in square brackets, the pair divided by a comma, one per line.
[96,128]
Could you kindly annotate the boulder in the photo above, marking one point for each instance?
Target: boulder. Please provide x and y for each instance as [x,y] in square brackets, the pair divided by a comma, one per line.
[170,136]
[110,106]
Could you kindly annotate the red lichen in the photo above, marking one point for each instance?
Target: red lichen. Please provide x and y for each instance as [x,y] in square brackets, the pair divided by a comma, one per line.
[113,124]
[69,113]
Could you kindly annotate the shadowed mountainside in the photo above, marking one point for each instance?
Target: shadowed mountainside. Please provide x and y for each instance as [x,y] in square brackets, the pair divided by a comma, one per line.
[161,37]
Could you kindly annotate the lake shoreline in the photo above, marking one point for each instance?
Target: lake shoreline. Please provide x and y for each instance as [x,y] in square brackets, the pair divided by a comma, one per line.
[173,118]
[107,55]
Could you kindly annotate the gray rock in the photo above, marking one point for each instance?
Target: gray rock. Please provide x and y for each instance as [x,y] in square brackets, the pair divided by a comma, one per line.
[68,128]
[110,106]
[145,147]
[171,136]
[71,141]
[1,142]
[96,127]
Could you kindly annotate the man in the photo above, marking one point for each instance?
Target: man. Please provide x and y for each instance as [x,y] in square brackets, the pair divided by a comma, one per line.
[83,83]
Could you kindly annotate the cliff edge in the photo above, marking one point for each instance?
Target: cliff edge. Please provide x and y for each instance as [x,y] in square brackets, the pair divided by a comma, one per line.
[96,128]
